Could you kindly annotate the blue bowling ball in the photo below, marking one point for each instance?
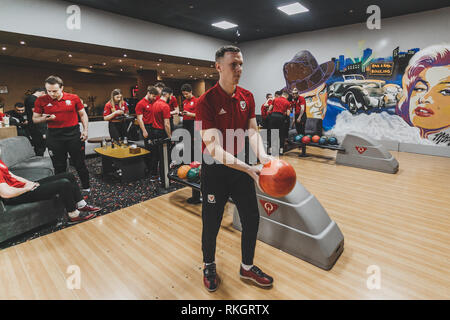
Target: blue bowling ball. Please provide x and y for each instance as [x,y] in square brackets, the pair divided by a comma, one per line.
[323,141]
[298,138]
[332,140]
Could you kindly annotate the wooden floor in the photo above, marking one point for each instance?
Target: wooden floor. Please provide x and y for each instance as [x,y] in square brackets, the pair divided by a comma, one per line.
[152,250]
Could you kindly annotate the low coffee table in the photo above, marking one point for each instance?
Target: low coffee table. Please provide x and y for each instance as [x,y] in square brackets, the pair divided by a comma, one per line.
[132,165]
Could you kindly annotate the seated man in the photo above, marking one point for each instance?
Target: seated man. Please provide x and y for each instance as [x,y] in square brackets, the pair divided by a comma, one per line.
[19,119]
[17,190]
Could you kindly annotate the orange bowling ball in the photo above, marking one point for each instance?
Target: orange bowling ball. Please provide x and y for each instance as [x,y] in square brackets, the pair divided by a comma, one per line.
[183,171]
[277,178]
[315,139]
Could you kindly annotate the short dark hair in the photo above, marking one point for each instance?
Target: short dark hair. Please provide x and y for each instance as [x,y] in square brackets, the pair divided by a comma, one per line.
[278,93]
[19,105]
[152,90]
[160,85]
[166,90]
[284,92]
[267,95]
[221,52]
[186,87]
[54,80]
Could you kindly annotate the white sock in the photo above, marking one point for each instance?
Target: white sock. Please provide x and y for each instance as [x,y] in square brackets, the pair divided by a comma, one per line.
[81,204]
[74,214]
[246,267]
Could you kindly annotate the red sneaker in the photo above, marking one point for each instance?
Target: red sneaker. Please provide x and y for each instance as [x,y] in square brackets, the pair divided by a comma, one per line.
[210,278]
[89,208]
[83,216]
[256,275]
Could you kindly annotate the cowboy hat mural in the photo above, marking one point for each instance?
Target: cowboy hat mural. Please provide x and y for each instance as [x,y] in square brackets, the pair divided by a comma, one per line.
[304,73]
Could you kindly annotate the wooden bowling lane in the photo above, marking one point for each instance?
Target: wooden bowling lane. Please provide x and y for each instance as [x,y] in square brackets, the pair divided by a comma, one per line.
[152,250]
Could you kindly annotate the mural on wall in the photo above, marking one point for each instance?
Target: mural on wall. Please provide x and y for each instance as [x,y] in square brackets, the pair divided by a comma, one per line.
[404,97]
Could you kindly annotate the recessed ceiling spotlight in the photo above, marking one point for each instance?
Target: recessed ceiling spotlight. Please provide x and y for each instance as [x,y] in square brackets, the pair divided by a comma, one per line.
[351,10]
[124,55]
[160,59]
[22,42]
[171,74]
[104,63]
[191,6]
[190,76]
[90,67]
[141,67]
[121,69]
[224,25]
[196,68]
[3,48]
[188,62]
[211,75]
[163,71]
[179,70]
[293,8]
[212,66]
[120,60]
[157,64]
[70,56]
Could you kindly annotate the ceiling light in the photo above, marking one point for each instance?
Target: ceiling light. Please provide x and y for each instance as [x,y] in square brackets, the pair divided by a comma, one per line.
[121,69]
[293,8]
[22,42]
[224,25]
[141,67]
[163,71]
[70,56]
[190,76]
[196,68]
[104,63]
[179,70]
[3,48]
[157,64]
[120,60]
[189,62]
[90,67]
[212,66]
[124,55]
[159,59]
[171,74]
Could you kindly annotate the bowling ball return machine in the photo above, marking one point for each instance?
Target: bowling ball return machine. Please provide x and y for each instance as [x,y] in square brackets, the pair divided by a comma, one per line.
[296,223]
[357,150]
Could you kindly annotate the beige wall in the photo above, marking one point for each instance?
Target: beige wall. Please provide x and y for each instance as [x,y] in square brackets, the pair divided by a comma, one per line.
[19,79]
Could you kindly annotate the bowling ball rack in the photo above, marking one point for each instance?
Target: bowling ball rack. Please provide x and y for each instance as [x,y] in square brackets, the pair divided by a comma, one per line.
[196,195]
[293,144]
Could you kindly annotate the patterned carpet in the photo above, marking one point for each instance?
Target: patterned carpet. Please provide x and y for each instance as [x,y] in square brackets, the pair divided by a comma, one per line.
[106,192]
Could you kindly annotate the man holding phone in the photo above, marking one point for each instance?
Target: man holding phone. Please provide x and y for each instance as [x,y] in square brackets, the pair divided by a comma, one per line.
[61,110]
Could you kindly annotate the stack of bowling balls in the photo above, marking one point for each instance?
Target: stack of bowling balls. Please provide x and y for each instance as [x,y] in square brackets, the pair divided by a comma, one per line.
[307,139]
[277,178]
[191,172]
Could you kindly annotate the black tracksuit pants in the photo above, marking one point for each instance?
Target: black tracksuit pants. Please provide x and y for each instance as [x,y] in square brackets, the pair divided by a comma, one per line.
[300,127]
[218,183]
[278,121]
[117,130]
[63,141]
[63,184]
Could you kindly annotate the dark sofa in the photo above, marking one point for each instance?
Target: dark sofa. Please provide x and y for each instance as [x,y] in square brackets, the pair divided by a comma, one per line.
[18,154]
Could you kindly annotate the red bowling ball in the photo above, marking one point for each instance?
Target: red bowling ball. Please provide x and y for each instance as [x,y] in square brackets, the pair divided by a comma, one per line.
[306,140]
[277,178]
